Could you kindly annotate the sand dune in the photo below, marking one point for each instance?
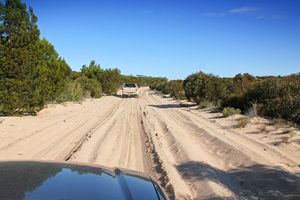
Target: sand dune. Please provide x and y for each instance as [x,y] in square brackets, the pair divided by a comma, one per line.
[196,154]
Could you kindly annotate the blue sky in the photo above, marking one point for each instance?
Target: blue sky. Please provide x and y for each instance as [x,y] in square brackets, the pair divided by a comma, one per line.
[175,38]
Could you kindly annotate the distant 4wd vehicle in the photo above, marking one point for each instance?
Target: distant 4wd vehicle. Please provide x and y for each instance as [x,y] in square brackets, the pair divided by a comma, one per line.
[130,89]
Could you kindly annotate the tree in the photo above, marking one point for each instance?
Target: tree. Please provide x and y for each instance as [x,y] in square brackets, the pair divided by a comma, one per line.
[57,69]
[94,71]
[30,70]
[111,80]
[22,72]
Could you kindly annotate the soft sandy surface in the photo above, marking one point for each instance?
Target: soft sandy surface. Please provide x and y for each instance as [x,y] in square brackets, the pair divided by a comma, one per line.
[196,154]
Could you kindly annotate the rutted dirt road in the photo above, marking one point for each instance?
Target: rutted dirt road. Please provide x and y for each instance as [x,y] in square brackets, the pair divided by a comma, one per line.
[193,154]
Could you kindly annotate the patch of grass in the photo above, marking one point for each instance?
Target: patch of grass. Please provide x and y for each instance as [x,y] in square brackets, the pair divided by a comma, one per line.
[229,111]
[242,122]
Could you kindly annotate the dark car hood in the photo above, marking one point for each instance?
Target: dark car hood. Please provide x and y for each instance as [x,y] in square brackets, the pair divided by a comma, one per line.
[52,180]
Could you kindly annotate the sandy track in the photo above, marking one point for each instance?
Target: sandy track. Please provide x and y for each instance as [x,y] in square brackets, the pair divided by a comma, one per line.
[190,151]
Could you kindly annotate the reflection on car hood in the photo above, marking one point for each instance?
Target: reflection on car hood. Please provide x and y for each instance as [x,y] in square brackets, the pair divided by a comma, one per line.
[49,180]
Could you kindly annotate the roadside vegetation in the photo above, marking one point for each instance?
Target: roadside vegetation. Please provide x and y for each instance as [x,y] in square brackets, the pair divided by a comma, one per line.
[174,88]
[276,97]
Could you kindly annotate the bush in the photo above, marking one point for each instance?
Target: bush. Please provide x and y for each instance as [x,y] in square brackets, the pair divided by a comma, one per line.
[242,122]
[73,92]
[90,86]
[277,97]
[174,88]
[111,81]
[201,86]
[229,111]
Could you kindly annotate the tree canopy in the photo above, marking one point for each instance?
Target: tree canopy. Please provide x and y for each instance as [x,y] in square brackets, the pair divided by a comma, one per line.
[30,70]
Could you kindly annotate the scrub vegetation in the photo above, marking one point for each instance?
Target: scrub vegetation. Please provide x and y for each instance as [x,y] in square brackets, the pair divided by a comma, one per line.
[276,97]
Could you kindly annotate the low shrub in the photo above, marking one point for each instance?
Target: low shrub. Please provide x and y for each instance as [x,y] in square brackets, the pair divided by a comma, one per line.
[73,92]
[242,122]
[229,111]
[91,87]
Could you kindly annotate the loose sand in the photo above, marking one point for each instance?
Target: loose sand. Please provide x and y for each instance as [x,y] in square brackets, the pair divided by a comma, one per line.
[196,154]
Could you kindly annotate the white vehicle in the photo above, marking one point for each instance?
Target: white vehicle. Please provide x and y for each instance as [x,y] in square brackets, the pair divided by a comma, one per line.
[130,89]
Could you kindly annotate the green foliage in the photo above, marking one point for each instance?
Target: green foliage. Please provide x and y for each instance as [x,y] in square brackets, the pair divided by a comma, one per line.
[277,98]
[242,122]
[30,70]
[174,88]
[74,75]
[23,74]
[201,86]
[236,90]
[93,71]
[111,81]
[143,81]
[267,96]
[90,86]
[57,69]
[72,92]
[229,111]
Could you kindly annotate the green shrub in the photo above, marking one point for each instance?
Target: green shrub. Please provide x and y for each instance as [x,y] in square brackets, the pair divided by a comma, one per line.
[201,86]
[31,72]
[277,97]
[90,86]
[242,122]
[174,88]
[73,92]
[229,111]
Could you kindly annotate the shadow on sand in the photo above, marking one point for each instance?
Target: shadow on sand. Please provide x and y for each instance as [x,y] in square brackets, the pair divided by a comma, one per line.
[251,182]
[166,106]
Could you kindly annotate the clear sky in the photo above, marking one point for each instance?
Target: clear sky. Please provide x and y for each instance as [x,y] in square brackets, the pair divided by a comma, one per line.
[175,38]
